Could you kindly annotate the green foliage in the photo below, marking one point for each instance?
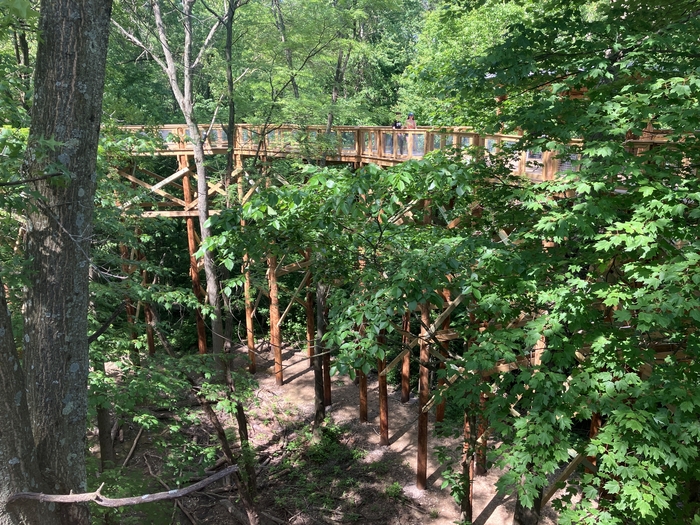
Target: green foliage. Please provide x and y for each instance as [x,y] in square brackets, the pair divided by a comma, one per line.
[14,10]
[617,279]
[394,491]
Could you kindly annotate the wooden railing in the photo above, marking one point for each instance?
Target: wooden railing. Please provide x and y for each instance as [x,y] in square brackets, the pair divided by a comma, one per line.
[360,145]
[357,145]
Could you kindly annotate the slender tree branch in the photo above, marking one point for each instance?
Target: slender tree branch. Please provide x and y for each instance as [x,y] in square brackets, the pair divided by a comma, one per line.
[37,179]
[107,323]
[104,501]
[131,38]
[208,39]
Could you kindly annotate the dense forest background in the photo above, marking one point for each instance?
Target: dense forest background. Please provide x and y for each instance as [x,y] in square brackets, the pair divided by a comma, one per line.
[597,269]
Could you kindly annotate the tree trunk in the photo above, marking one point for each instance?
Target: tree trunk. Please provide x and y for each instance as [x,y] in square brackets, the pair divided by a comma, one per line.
[217,325]
[108,458]
[68,85]
[275,332]
[319,404]
[525,516]
[424,395]
[19,470]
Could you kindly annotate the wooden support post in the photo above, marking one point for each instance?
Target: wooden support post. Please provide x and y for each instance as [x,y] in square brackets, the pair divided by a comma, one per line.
[406,365]
[480,461]
[148,315]
[249,326]
[275,331]
[327,377]
[363,396]
[310,326]
[466,506]
[383,400]
[444,346]
[596,423]
[130,309]
[422,461]
[247,295]
[183,162]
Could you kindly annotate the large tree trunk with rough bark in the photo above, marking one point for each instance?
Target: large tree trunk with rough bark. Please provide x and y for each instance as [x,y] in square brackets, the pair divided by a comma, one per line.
[19,470]
[44,439]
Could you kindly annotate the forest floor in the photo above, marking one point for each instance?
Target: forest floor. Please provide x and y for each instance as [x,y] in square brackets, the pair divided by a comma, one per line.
[348,477]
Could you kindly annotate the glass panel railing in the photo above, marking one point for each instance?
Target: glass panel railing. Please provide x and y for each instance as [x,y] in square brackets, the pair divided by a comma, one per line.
[465,141]
[568,164]
[388,144]
[401,143]
[348,140]
[437,139]
[418,145]
[533,161]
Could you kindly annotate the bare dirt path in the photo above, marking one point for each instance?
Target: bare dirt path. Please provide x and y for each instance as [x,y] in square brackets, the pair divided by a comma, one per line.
[411,506]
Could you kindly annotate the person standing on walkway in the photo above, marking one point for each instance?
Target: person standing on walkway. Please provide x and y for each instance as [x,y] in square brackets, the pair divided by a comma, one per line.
[410,122]
[400,137]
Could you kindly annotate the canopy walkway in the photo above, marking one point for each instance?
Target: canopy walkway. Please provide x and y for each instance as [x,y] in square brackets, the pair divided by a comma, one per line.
[353,145]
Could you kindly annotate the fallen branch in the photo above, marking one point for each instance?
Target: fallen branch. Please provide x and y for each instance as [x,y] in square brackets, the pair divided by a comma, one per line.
[133,447]
[104,501]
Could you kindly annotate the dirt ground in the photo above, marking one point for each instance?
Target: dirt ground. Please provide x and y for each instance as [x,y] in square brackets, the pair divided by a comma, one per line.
[349,478]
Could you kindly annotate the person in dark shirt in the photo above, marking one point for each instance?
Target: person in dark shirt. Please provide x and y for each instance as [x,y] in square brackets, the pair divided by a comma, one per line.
[400,137]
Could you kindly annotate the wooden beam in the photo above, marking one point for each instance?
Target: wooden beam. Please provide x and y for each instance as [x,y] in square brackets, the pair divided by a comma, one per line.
[251,191]
[150,188]
[177,175]
[213,187]
[296,294]
[293,267]
[156,176]
[164,213]
[275,334]
[406,363]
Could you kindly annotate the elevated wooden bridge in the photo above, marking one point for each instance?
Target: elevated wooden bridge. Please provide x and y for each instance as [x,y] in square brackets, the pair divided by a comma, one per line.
[353,145]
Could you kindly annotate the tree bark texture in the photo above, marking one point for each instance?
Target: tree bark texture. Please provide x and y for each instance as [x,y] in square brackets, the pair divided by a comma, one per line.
[68,85]
[19,471]
[319,404]
[275,332]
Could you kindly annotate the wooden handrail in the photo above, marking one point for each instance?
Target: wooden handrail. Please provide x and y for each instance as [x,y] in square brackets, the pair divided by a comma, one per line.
[360,145]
